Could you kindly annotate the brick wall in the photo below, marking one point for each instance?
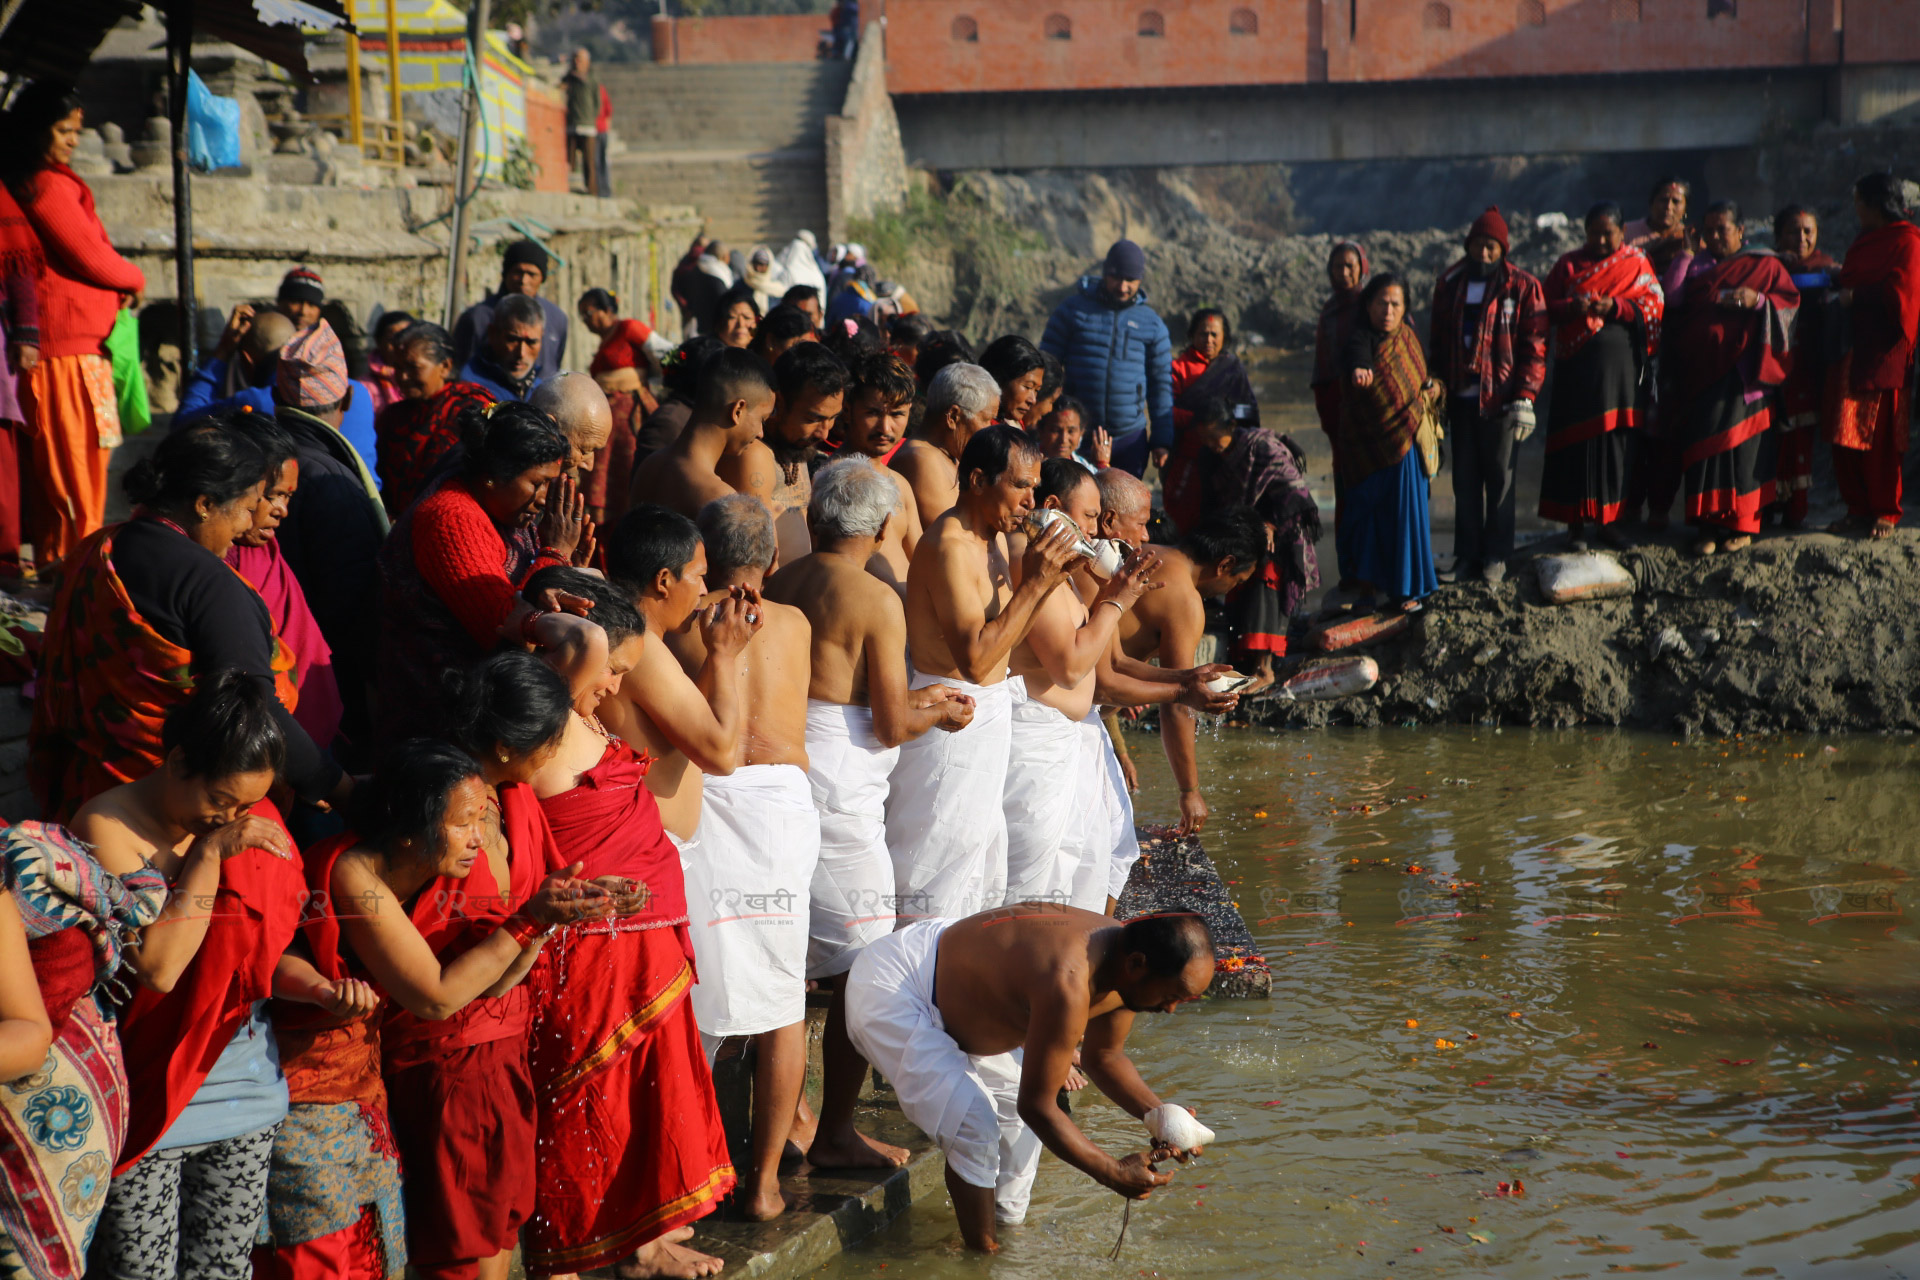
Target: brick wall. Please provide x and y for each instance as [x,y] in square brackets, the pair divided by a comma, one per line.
[785,37]
[947,46]
[547,136]
[866,164]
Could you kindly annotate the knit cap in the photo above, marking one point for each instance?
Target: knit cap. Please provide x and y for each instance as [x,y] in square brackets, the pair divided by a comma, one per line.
[303,284]
[312,373]
[1127,261]
[1493,226]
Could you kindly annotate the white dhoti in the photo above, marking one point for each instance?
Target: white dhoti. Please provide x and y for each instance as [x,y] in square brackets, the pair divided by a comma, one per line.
[853,901]
[749,870]
[1121,844]
[1044,803]
[945,827]
[969,1105]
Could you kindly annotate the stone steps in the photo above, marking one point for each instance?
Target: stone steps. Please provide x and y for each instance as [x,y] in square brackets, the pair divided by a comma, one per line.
[747,197]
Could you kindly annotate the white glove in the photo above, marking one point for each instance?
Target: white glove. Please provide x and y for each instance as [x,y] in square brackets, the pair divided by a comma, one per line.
[1520,419]
[1172,1125]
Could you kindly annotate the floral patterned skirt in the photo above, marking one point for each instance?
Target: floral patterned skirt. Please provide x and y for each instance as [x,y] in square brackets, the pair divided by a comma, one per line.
[60,1133]
[331,1160]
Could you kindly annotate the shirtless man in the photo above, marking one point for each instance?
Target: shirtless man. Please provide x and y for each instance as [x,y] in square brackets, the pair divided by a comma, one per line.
[729,413]
[945,828]
[1216,557]
[961,399]
[1055,804]
[576,402]
[750,865]
[879,400]
[689,726]
[810,383]
[941,1007]
[859,711]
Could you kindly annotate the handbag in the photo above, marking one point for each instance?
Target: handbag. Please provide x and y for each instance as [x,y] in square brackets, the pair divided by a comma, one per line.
[1428,434]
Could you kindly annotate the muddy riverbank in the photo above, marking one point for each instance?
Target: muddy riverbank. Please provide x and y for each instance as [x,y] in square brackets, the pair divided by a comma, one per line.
[1807,632]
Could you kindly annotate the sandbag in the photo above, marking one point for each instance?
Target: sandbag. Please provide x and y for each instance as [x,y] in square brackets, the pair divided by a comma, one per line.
[1586,576]
[1341,679]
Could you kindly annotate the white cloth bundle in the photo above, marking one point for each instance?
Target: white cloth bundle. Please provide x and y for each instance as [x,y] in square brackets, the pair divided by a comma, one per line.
[946,829]
[1046,812]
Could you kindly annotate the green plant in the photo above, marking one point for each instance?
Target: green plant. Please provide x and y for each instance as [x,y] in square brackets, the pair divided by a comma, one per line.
[959,222]
[519,168]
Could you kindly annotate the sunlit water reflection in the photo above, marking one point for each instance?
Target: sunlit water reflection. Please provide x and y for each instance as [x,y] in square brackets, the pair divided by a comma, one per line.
[1675,982]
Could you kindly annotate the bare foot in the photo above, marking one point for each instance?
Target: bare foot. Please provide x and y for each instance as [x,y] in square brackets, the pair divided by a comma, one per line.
[1739,542]
[665,1257]
[761,1207]
[1882,529]
[855,1151]
[805,1126]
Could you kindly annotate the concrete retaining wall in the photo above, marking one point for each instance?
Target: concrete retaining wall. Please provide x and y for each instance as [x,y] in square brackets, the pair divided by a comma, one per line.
[866,163]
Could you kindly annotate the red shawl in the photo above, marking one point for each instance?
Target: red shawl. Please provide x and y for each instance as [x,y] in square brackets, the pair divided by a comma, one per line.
[1625,275]
[20,252]
[268,573]
[412,436]
[611,823]
[621,348]
[1883,270]
[456,915]
[1709,340]
[173,1040]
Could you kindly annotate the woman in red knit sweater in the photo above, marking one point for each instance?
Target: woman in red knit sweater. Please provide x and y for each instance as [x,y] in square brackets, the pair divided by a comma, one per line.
[452,570]
[68,399]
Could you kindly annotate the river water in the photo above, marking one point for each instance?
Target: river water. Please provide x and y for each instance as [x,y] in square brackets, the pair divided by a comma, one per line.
[1665,987]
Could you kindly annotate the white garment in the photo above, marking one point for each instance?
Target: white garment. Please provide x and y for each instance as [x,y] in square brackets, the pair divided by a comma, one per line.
[749,870]
[1123,847]
[853,901]
[801,267]
[1045,809]
[969,1105]
[945,826]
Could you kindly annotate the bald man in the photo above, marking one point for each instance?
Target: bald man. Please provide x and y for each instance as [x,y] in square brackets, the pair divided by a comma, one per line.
[576,402]
[239,375]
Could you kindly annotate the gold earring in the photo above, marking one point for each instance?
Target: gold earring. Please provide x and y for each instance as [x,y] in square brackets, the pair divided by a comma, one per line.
[505,758]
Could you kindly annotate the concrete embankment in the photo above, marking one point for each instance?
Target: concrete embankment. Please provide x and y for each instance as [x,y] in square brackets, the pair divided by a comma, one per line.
[1807,632]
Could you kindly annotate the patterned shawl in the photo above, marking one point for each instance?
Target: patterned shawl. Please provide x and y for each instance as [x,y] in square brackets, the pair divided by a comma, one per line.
[57,886]
[412,436]
[1378,422]
[1708,340]
[1625,275]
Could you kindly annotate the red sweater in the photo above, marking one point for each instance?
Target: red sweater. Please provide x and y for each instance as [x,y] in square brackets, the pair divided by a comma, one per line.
[81,287]
[464,560]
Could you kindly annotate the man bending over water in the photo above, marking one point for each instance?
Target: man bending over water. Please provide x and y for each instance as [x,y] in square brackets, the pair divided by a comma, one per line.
[974,1022]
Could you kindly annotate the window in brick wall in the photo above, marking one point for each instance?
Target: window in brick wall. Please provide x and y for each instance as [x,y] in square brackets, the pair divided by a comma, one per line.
[1625,10]
[1059,27]
[1533,13]
[1152,23]
[1436,17]
[1723,8]
[965,30]
[1243,22]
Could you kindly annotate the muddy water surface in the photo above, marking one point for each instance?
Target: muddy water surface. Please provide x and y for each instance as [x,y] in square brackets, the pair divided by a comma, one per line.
[1667,988]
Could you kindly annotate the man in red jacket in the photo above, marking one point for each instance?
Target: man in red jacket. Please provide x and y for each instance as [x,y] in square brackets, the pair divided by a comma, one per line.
[1489,350]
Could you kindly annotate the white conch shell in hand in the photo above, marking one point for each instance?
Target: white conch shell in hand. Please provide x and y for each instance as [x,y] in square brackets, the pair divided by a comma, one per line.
[1172,1124]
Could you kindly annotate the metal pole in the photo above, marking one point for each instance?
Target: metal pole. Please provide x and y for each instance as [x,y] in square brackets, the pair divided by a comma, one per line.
[463,176]
[179,59]
[356,123]
[393,69]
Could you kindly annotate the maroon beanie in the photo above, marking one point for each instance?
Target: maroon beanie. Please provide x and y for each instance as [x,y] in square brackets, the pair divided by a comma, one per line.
[1493,226]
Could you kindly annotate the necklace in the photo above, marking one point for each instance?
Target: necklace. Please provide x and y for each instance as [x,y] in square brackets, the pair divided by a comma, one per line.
[593,723]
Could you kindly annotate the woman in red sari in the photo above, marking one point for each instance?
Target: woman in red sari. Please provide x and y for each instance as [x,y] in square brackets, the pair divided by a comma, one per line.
[1727,351]
[426,901]
[622,365]
[416,432]
[632,1151]
[1605,306]
[1867,394]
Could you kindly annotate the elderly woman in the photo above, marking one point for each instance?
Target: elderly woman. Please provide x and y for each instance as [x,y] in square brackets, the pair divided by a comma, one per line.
[1207,372]
[1867,394]
[415,432]
[1728,346]
[1385,541]
[149,608]
[1605,306]
[453,568]
[446,919]
[205,1092]
[1017,365]
[68,398]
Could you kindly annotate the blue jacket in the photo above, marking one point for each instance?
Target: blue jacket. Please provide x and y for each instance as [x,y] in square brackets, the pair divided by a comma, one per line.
[200,400]
[1119,362]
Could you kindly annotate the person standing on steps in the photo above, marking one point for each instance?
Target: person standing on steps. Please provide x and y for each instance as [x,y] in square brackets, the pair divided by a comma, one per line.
[1489,350]
[583,119]
[1119,358]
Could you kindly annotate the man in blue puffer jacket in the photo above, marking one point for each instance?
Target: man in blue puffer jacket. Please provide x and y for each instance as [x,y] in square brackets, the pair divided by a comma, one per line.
[1119,359]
